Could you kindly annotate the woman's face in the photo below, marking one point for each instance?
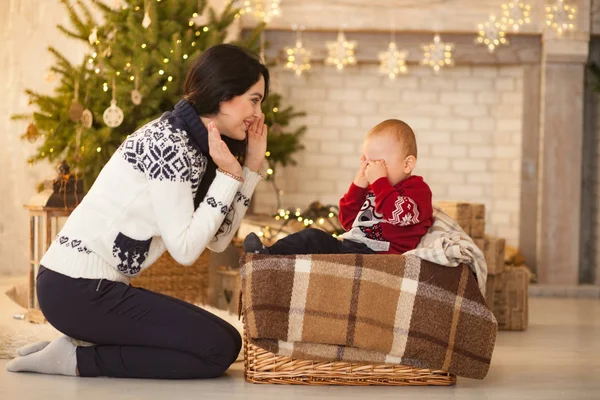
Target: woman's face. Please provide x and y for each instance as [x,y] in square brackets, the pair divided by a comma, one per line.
[236,115]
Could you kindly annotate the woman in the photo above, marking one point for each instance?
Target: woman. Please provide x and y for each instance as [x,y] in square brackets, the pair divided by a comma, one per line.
[174,184]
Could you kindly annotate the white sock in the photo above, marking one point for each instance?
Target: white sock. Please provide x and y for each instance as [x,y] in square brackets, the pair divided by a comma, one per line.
[57,358]
[32,348]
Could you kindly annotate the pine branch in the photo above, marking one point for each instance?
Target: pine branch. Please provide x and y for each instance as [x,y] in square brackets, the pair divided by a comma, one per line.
[71,34]
[104,8]
[89,18]
[75,19]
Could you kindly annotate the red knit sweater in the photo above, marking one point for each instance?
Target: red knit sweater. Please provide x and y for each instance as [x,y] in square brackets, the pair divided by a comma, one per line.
[388,219]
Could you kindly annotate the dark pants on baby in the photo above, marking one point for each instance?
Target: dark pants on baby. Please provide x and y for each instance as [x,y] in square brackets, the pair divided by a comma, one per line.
[316,241]
[137,333]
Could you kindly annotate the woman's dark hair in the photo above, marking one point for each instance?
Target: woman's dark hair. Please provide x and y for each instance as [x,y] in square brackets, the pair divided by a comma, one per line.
[221,73]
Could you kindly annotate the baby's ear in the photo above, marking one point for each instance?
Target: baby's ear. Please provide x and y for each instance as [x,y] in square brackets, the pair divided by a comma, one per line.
[410,163]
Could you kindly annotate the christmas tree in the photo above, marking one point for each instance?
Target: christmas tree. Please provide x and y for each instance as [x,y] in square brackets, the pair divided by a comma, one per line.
[134,71]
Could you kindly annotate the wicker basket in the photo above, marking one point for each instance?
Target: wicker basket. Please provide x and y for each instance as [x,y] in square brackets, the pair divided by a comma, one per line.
[168,277]
[261,366]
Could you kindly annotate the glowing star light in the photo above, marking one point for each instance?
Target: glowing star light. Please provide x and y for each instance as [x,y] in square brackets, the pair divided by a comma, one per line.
[265,10]
[298,58]
[341,52]
[516,14]
[438,54]
[560,16]
[393,62]
[492,33]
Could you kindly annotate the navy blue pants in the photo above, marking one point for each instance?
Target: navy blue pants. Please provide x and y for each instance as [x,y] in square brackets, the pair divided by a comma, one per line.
[137,333]
[316,241]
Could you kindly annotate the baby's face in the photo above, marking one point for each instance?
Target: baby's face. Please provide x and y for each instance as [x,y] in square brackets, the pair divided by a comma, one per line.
[387,148]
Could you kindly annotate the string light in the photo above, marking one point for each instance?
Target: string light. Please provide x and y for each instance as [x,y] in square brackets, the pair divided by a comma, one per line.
[341,52]
[438,54]
[516,14]
[164,88]
[264,10]
[275,109]
[170,78]
[185,56]
[161,72]
[393,62]
[560,16]
[99,149]
[166,60]
[298,58]
[492,33]
[144,46]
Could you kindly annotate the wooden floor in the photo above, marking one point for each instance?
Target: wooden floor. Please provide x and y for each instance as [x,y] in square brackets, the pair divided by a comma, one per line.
[557,358]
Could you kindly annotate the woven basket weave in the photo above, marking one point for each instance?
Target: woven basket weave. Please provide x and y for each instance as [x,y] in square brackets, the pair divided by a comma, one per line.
[166,276]
[261,366]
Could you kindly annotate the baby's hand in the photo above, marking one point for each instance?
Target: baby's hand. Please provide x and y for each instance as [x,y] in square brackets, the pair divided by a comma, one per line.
[361,179]
[375,170]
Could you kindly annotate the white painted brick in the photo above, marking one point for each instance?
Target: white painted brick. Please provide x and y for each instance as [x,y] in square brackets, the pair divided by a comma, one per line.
[506,205]
[516,164]
[318,106]
[485,72]
[403,82]
[470,110]
[312,120]
[342,121]
[500,218]
[336,147]
[433,137]
[383,94]
[483,124]
[506,111]
[423,150]
[359,107]
[345,94]
[336,174]
[448,177]
[506,178]
[370,121]
[421,70]
[505,84]
[456,72]
[454,124]
[320,79]
[319,160]
[307,93]
[437,82]
[457,98]
[488,98]
[466,192]
[511,71]
[511,98]
[507,152]
[433,164]
[350,162]
[485,152]
[321,133]
[483,178]
[472,84]
[419,96]
[419,123]
[469,165]
[471,138]
[342,187]
[365,81]
[322,186]
[509,125]
[452,151]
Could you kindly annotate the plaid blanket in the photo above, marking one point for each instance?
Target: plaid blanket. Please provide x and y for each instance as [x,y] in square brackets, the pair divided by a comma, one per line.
[372,308]
[447,244]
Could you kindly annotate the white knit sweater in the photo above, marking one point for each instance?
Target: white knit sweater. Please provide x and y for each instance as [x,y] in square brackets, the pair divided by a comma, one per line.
[143,203]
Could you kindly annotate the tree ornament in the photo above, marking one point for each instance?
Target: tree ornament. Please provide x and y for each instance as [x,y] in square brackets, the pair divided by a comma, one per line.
[113,115]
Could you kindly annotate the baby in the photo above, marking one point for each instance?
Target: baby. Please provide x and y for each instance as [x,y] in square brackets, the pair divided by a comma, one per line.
[386,209]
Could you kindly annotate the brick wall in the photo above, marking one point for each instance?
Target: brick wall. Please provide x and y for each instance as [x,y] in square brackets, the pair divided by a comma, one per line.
[467,121]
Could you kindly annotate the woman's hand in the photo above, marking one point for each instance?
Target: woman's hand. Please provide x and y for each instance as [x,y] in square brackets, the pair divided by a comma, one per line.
[220,153]
[257,144]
